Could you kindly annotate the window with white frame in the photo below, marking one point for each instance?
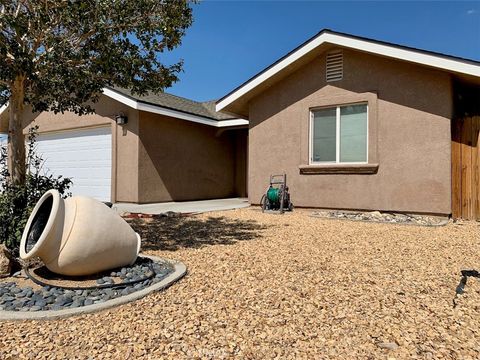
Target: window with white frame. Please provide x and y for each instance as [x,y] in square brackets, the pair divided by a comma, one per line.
[339,134]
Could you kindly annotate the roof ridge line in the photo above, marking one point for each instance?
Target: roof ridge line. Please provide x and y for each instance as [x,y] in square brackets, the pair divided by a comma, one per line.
[418,56]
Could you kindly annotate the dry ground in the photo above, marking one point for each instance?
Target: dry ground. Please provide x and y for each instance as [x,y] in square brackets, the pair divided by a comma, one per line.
[292,286]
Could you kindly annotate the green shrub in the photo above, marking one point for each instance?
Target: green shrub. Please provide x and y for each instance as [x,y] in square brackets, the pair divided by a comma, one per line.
[17,201]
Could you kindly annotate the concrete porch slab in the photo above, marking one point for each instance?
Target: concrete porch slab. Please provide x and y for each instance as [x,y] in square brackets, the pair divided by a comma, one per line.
[183,206]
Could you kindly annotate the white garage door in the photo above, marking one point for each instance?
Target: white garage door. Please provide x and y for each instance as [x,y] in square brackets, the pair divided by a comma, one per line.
[84,155]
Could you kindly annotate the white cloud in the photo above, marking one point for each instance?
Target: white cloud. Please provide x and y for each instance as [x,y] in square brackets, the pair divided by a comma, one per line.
[471,12]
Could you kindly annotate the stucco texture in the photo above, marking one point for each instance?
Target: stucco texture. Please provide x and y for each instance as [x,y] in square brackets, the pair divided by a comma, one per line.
[181,160]
[124,141]
[156,158]
[409,107]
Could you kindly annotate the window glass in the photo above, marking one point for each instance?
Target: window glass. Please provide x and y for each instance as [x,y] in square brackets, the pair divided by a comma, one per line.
[324,135]
[353,133]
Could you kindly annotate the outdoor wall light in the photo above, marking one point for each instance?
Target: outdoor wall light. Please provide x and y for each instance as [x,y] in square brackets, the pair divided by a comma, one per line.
[121,119]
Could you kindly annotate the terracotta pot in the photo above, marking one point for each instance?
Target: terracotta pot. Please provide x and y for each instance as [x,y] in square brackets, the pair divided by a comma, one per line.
[78,236]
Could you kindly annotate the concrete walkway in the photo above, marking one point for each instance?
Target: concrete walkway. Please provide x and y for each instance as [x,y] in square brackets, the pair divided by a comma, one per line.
[183,207]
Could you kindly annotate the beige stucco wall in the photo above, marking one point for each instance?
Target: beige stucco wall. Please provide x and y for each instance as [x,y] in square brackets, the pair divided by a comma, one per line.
[180,160]
[124,141]
[409,135]
[157,158]
[241,153]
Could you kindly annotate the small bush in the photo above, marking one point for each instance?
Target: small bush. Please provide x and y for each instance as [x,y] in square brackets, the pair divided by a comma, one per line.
[17,201]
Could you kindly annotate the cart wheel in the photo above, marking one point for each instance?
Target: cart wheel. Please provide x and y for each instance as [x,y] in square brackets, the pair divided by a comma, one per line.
[263,202]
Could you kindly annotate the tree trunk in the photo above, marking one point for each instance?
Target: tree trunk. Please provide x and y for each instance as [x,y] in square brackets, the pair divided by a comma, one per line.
[16,139]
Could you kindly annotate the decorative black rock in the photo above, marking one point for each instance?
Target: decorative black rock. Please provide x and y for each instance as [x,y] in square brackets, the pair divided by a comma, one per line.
[13,298]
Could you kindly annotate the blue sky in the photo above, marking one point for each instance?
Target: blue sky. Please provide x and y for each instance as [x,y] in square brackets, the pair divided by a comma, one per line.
[230,41]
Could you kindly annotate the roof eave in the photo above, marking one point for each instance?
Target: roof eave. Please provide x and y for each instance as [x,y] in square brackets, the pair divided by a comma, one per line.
[446,63]
[156,109]
[151,108]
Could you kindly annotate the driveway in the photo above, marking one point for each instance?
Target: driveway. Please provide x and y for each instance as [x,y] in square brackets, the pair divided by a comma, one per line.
[189,207]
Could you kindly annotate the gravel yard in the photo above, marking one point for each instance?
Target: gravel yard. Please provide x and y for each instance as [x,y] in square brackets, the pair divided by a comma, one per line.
[290,286]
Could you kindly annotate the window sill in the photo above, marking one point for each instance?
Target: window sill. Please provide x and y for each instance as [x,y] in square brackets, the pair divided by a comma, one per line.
[338,169]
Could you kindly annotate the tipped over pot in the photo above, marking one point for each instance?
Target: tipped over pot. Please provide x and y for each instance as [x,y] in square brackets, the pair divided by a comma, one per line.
[78,236]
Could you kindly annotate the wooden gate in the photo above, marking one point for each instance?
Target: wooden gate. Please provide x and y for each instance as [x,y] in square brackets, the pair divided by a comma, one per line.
[465,168]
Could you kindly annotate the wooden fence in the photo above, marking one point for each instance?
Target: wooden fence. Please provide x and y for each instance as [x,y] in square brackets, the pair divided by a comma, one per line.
[465,168]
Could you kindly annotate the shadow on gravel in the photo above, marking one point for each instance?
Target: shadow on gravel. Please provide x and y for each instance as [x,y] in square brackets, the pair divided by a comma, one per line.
[173,233]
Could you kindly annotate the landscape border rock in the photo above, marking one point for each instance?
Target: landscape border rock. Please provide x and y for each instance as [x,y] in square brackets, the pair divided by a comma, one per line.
[5,261]
[382,217]
[179,271]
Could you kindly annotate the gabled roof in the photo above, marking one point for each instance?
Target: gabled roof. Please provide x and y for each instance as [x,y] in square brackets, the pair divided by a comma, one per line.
[169,105]
[235,101]
[169,101]
[175,106]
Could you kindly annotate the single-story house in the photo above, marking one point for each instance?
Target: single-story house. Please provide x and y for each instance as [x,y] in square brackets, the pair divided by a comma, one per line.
[362,124]
[153,148]
[355,123]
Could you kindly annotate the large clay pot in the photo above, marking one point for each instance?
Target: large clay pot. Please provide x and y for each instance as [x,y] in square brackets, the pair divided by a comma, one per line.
[78,236]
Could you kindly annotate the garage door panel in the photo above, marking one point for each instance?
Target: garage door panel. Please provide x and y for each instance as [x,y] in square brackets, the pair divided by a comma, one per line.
[92,166]
[66,147]
[82,175]
[84,155]
[90,181]
[86,150]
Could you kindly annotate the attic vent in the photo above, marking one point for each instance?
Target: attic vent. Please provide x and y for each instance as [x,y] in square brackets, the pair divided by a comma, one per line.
[334,66]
